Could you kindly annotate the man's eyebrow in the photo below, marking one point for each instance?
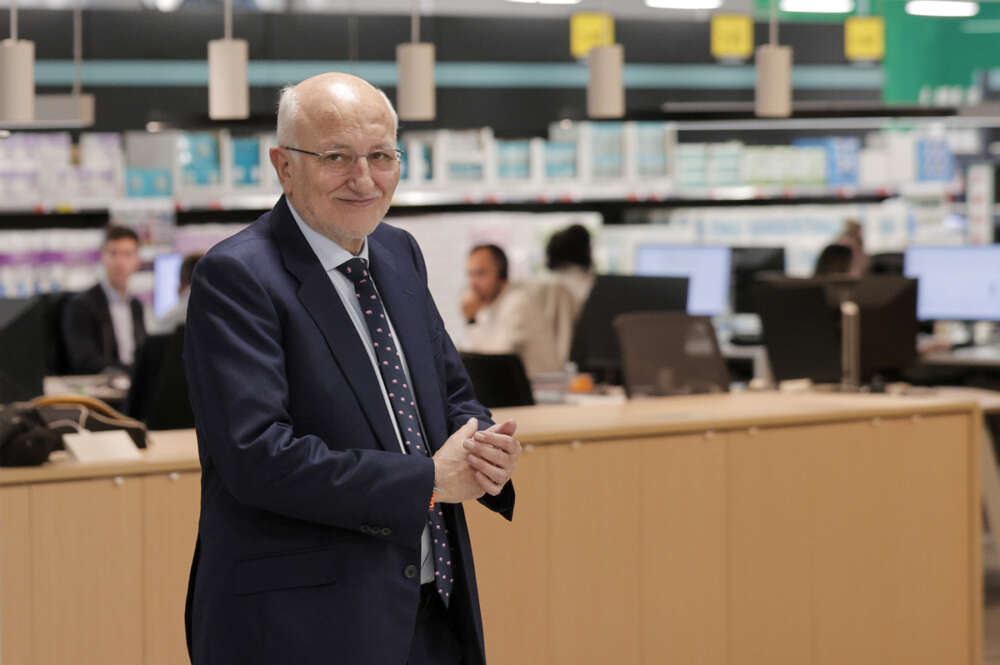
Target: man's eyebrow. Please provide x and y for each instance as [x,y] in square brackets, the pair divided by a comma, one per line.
[385,145]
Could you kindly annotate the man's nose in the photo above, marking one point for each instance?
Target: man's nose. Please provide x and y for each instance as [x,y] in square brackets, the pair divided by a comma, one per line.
[361,167]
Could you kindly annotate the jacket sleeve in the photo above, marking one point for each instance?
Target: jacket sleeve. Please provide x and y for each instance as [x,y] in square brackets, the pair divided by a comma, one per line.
[460,400]
[235,364]
[82,337]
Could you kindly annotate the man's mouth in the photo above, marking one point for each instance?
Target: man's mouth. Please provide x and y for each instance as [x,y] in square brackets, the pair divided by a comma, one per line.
[359,203]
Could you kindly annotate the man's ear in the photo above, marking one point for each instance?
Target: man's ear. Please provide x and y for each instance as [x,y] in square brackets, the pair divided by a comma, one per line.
[282,166]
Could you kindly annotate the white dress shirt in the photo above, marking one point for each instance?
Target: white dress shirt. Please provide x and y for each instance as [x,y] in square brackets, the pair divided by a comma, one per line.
[500,325]
[331,255]
[175,316]
[121,321]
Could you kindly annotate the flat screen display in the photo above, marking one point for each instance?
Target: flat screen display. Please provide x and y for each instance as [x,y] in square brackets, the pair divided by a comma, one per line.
[706,267]
[956,283]
[166,280]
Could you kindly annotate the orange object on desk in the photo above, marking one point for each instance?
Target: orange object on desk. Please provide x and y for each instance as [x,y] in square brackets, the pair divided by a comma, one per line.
[581,383]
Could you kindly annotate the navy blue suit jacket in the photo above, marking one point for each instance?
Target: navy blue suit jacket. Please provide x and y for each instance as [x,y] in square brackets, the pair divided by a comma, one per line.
[310,515]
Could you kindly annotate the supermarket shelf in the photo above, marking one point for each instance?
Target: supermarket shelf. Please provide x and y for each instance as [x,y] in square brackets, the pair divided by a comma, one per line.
[195,208]
[660,194]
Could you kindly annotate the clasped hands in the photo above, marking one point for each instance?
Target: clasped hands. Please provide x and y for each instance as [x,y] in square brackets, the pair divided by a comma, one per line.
[472,463]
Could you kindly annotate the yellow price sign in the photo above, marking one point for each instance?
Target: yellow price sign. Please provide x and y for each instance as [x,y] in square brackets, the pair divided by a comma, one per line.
[732,36]
[590,29]
[864,38]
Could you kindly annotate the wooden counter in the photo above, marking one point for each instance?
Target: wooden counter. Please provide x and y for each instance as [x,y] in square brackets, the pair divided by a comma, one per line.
[743,529]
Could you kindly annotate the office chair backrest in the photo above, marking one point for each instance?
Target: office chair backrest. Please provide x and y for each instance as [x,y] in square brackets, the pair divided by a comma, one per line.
[670,353]
[58,356]
[800,322]
[159,392]
[889,325]
[499,380]
[170,407]
[594,347]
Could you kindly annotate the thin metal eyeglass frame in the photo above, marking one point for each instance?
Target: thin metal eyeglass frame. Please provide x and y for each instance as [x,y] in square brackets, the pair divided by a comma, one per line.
[321,155]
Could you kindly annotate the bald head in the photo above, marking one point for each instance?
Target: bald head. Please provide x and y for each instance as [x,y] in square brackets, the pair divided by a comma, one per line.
[327,100]
[336,156]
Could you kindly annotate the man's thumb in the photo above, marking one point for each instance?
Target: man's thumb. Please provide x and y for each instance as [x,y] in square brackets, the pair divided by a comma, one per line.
[470,427]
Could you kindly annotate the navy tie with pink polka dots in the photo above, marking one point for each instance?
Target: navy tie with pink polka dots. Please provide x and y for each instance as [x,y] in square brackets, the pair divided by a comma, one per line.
[404,406]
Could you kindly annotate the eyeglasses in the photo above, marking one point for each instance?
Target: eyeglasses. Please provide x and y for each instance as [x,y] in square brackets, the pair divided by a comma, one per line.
[343,161]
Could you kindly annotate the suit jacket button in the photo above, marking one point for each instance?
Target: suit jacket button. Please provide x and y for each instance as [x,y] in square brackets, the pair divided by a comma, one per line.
[410,572]
[386,531]
[365,528]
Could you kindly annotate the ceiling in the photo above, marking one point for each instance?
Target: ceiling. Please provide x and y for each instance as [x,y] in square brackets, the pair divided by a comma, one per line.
[620,8]
[625,9]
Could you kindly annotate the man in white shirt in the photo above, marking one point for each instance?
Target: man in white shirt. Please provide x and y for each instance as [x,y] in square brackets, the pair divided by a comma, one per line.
[103,326]
[493,308]
[177,315]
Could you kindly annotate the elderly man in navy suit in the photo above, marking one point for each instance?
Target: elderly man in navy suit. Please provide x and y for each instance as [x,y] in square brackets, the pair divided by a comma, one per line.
[337,429]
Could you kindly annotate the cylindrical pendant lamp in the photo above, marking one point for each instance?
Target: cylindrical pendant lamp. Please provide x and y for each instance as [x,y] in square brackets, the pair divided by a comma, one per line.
[17,81]
[228,90]
[774,81]
[606,82]
[415,87]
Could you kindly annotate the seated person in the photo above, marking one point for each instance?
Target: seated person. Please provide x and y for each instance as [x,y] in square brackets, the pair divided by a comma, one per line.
[532,320]
[834,260]
[103,326]
[569,260]
[853,238]
[493,308]
[176,315]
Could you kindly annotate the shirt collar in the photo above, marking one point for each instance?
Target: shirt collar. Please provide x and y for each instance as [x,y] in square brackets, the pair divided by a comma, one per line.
[329,253]
[110,293]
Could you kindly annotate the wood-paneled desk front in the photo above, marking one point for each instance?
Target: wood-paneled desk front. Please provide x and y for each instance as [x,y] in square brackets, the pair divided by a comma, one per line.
[741,529]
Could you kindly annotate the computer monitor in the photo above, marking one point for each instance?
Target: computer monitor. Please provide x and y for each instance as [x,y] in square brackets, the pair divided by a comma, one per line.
[595,344]
[800,328]
[956,283]
[24,344]
[706,267]
[166,282]
[801,322]
[886,263]
[889,325]
[749,264]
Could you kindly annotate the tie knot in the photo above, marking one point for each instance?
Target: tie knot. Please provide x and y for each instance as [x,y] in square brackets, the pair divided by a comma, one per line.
[355,269]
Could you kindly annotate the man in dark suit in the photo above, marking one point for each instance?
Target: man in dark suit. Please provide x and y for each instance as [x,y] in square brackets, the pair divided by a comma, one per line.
[102,327]
[337,429]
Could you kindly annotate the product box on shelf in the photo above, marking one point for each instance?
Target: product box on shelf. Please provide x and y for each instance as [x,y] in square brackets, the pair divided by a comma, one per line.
[560,160]
[724,164]
[652,150]
[843,155]
[154,182]
[199,158]
[607,150]
[514,160]
[691,167]
[935,161]
[247,162]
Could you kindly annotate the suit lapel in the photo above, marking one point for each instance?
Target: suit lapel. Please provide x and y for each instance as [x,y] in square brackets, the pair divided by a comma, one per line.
[410,324]
[321,300]
[107,327]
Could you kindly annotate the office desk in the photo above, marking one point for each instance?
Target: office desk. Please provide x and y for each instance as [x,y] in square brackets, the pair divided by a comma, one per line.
[971,356]
[989,403]
[748,529]
[94,558]
[757,353]
[743,529]
[93,385]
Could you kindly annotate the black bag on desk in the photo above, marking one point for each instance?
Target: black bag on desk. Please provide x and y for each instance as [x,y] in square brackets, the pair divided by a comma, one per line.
[25,438]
